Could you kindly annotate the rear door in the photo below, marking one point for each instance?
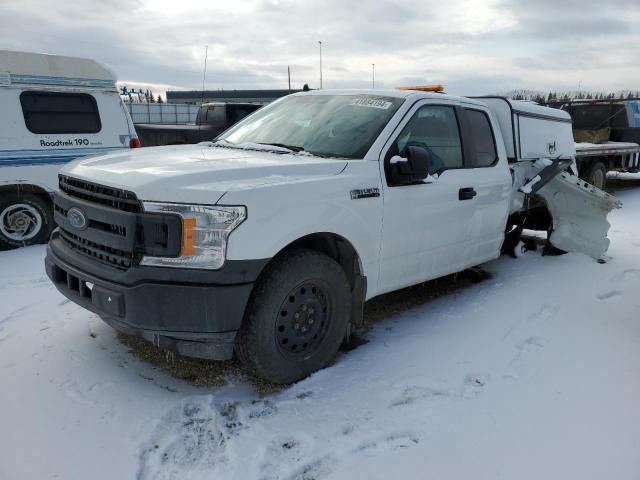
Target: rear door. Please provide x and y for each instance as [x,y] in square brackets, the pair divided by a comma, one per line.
[491,181]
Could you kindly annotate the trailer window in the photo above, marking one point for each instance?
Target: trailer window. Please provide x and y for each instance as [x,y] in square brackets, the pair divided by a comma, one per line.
[484,146]
[60,113]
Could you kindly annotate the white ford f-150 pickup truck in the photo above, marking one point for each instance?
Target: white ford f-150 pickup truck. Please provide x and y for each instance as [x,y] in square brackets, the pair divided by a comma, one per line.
[268,240]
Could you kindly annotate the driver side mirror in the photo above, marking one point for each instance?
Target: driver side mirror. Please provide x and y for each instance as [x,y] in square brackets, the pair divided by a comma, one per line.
[411,167]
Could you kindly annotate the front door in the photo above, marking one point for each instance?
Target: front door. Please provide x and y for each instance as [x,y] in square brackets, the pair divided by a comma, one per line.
[426,226]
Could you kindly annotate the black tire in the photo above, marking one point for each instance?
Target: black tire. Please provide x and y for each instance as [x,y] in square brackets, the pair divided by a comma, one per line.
[296,318]
[25,219]
[596,174]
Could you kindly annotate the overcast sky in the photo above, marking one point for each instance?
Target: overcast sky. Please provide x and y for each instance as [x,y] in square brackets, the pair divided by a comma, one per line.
[470,46]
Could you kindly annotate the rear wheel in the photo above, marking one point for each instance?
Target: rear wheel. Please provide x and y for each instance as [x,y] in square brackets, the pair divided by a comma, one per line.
[596,174]
[297,317]
[24,220]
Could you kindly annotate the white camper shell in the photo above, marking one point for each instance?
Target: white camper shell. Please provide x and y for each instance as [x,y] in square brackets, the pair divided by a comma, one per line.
[539,138]
[54,109]
[531,131]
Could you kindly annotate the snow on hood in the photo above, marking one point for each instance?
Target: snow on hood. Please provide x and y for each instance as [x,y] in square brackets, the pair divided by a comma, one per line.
[198,173]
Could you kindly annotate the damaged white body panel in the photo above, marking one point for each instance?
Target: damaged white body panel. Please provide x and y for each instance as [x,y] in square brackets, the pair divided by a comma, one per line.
[541,151]
[579,212]
[578,209]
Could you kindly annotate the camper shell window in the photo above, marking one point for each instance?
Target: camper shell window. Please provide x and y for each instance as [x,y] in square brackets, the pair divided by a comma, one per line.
[60,113]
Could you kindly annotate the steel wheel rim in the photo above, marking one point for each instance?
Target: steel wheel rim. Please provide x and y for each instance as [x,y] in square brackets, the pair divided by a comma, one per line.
[20,222]
[303,320]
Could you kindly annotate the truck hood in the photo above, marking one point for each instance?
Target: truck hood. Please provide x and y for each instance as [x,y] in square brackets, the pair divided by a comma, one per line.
[198,173]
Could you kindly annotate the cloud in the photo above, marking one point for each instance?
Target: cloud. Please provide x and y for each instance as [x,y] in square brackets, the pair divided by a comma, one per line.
[477,46]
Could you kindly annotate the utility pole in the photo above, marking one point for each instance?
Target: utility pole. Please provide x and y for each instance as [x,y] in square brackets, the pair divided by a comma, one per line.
[320,44]
[289,76]
[373,75]
[204,73]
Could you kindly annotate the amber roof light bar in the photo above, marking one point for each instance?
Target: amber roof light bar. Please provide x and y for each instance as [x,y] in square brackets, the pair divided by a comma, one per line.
[424,88]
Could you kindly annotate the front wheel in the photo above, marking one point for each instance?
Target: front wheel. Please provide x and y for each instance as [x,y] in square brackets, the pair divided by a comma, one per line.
[297,317]
[24,220]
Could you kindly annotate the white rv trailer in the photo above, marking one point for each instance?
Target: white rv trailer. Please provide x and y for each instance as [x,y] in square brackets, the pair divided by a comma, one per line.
[54,109]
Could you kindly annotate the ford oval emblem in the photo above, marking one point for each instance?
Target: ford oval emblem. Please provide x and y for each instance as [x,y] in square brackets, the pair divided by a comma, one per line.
[77,218]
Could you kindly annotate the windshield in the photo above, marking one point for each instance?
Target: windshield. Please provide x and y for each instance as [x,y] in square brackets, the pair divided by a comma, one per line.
[324,125]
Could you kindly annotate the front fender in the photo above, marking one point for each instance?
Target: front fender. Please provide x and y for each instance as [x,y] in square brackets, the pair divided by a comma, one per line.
[278,215]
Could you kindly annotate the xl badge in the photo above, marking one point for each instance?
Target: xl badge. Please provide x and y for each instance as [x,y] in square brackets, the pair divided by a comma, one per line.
[77,218]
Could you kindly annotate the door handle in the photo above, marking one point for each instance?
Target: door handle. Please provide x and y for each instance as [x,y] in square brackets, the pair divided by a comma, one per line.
[466,193]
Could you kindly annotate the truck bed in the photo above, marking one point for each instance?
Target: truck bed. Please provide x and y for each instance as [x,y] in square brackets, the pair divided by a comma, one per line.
[609,148]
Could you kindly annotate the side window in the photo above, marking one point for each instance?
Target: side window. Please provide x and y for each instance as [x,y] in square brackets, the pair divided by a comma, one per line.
[484,147]
[55,112]
[215,115]
[436,129]
[237,113]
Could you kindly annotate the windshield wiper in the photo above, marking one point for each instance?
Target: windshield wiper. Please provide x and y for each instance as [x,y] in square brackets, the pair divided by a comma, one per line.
[293,148]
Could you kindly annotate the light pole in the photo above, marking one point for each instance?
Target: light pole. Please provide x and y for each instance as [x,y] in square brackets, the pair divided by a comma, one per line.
[204,73]
[320,45]
[373,75]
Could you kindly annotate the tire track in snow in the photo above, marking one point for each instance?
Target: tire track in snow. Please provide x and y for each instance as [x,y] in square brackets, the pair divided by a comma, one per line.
[193,437]
[14,314]
[200,438]
[393,441]
[542,314]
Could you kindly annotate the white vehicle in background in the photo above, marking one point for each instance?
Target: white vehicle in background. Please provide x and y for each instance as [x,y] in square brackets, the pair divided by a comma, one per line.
[54,109]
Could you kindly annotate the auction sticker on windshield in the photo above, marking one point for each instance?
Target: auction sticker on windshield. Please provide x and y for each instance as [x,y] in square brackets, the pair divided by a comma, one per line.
[371,103]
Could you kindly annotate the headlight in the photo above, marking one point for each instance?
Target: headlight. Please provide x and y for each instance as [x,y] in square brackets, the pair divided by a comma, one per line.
[205,230]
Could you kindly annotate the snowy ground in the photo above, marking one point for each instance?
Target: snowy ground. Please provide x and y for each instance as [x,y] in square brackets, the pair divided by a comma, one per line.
[532,374]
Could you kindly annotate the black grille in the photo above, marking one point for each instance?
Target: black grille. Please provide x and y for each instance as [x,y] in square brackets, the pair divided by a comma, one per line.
[117,233]
[97,225]
[103,195]
[102,253]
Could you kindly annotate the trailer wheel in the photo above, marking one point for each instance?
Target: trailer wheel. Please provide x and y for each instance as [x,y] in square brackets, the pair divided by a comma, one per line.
[596,174]
[25,219]
[296,318]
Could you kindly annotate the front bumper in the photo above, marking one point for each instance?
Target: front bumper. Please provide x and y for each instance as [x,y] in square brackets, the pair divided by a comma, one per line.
[194,313]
